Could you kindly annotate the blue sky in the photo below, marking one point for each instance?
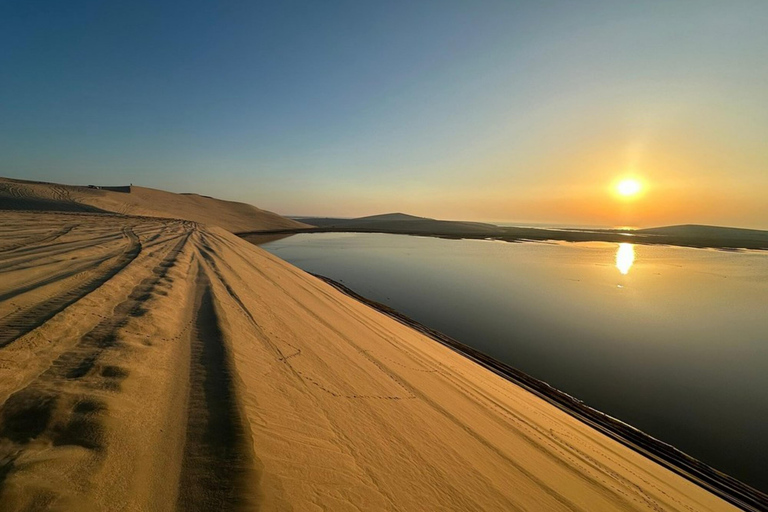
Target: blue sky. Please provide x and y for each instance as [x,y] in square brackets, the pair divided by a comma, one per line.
[520,111]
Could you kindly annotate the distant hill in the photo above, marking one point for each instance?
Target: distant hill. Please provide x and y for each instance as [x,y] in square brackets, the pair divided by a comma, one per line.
[391,217]
[708,236]
[404,224]
[698,230]
[401,222]
[130,200]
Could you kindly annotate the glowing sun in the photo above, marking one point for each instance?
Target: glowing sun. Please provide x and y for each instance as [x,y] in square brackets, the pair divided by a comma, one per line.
[628,187]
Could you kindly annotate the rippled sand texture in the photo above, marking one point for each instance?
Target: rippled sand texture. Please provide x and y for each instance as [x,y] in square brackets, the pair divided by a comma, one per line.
[155,364]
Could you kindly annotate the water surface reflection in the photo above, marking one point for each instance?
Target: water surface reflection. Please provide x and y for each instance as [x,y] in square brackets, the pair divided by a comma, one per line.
[625,257]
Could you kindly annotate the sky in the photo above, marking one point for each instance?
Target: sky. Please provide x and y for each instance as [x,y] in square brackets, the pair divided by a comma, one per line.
[520,112]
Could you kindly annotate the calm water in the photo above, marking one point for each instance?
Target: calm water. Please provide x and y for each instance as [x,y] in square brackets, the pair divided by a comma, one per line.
[671,340]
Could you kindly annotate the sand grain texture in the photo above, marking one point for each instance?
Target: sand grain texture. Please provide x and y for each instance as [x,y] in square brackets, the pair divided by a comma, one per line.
[157,364]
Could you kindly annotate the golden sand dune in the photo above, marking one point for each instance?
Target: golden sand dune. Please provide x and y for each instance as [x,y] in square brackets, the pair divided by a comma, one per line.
[150,364]
[129,200]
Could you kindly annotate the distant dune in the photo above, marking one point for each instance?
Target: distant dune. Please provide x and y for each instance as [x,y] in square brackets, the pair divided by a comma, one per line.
[705,235]
[128,200]
[400,223]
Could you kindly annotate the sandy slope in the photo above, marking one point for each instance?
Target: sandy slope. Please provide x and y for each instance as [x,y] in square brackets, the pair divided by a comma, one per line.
[232,216]
[155,365]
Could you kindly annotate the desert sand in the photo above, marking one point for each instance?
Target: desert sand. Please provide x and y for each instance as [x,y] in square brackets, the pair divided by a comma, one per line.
[159,364]
[130,200]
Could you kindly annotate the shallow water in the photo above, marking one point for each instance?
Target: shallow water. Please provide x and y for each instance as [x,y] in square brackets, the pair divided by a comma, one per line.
[671,340]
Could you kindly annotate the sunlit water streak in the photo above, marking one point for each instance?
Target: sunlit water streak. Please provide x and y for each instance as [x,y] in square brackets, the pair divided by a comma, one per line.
[625,257]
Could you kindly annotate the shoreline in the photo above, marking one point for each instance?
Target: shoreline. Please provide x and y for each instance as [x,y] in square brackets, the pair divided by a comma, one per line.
[728,488]
[519,235]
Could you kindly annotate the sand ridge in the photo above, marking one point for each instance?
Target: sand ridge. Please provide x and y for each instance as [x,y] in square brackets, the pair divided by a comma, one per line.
[156,364]
[131,200]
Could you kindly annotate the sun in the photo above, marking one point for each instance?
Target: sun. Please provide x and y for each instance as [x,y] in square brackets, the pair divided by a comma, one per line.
[629,187]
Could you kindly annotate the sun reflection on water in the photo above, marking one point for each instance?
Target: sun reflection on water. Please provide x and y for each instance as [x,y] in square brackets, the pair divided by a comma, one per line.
[625,257]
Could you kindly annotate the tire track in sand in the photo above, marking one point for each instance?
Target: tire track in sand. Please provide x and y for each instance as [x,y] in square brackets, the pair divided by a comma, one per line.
[62,406]
[18,324]
[218,457]
[40,239]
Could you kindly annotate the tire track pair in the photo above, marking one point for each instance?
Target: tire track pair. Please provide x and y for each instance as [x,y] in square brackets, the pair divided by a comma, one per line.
[218,454]
[40,239]
[17,325]
[40,255]
[61,404]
